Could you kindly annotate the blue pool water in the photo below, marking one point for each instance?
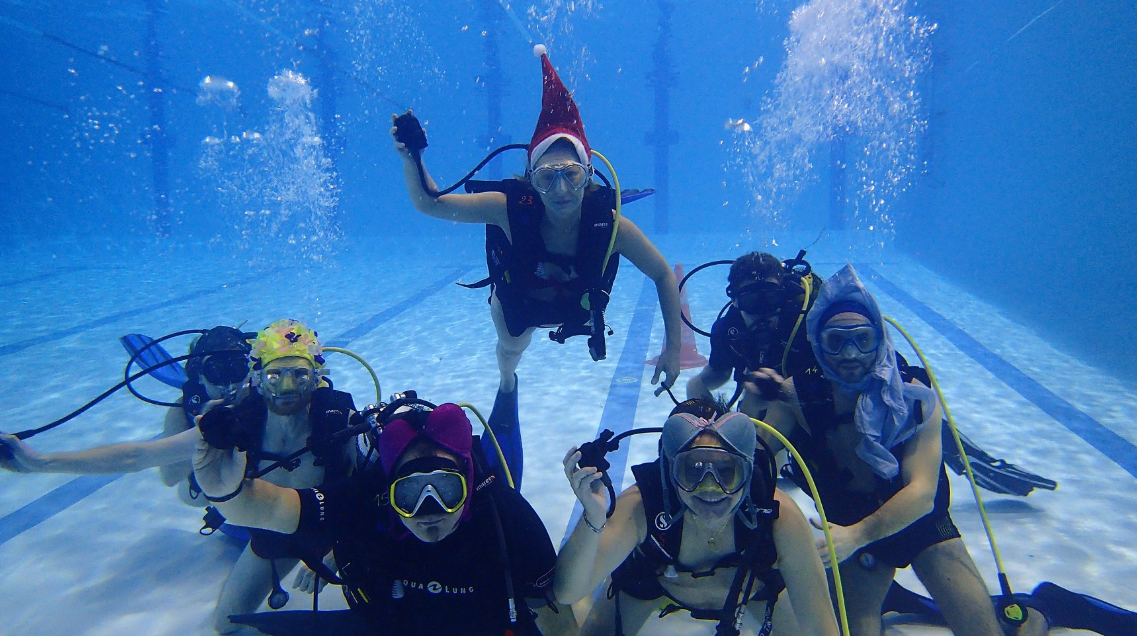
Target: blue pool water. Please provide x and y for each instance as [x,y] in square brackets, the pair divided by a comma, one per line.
[180,164]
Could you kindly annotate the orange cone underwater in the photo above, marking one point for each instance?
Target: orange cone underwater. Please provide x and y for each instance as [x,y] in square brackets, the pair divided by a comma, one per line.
[689,357]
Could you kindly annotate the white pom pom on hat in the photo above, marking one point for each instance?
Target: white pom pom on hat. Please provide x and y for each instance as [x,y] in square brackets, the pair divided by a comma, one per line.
[539,50]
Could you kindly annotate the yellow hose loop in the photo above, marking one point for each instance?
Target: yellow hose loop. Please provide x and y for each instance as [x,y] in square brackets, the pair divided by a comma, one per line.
[493,438]
[836,569]
[360,360]
[808,285]
[616,223]
[959,447]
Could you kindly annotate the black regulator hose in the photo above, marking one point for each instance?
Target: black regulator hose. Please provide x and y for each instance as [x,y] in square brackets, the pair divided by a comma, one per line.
[134,358]
[32,432]
[410,133]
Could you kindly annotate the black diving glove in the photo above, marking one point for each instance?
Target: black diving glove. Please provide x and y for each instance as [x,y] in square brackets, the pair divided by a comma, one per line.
[409,132]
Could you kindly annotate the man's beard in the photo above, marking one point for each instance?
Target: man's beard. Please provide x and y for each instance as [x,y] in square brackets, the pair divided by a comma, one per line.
[287,407]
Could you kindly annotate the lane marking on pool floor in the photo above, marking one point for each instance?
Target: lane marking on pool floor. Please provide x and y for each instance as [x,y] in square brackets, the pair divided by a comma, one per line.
[1094,433]
[55,501]
[44,276]
[624,392]
[60,334]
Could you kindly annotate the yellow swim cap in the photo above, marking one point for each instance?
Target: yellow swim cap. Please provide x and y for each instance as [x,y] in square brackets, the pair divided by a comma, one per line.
[285,338]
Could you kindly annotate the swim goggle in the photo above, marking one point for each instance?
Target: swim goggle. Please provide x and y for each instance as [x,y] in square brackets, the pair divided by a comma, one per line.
[225,368]
[303,378]
[544,179]
[729,470]
[833,340]
[432,482]
[760,297]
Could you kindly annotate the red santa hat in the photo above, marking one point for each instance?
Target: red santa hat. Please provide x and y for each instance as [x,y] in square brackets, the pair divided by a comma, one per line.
[559,117]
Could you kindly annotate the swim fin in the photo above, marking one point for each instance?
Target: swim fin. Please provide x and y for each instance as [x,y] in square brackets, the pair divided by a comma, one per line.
[503,422]
[173,374]
[1064,608]
[627,195]
[901,600]
[305,623]
[995,475]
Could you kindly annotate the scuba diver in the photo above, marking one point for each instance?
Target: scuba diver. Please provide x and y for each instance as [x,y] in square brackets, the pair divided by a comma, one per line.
[760,339]
[871,435]
[701,518]
[221,374]
[295,409]
[426,540]
[553,246]
[287,410]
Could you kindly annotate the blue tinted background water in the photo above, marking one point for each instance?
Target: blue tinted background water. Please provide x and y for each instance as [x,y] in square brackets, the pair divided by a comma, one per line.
[1020,193]
[1025,169]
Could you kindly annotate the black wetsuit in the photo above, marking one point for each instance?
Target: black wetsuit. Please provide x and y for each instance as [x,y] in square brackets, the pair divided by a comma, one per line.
[734,346]
[846,507]
[402,585]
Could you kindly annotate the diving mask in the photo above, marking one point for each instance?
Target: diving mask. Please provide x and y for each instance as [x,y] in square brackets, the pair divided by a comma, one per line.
[833,340]
[760,297]
[303,378]
[729,471]
[433,482]
[544,179]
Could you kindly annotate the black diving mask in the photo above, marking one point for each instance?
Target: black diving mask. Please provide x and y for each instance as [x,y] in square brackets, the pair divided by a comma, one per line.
[761,298]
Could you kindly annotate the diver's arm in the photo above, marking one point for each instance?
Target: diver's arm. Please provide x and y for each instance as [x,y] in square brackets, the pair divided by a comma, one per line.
[920,472]
[706,381]
[784,416]
[128,457]
[802,571]
[175,423]
[481,207]
[561,622]
[588,557]
[633,245]
[257,504]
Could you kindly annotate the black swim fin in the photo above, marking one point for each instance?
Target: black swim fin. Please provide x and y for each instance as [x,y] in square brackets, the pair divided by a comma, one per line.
[627,195]
[995,475]
[173,374]
[503,421]
[901,600]
[305,623]
[1064,608]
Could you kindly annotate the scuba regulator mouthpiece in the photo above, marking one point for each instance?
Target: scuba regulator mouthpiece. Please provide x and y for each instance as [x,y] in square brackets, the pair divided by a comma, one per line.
[409,132]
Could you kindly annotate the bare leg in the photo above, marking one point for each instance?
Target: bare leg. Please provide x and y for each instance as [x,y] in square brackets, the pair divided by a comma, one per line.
[602,618]
[246,588]
[952,579]
[864,595]
[509,349]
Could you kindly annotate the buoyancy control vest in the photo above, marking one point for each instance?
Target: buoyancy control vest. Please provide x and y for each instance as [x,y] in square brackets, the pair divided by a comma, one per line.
[516,268]
[658,555]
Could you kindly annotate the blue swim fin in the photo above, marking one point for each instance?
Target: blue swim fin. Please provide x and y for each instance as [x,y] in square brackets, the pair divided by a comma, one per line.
[153,354]
[503,422]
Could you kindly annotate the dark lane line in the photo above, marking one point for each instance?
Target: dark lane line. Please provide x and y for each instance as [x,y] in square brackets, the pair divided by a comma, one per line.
[74,491]
[624,391]
[1094,433]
